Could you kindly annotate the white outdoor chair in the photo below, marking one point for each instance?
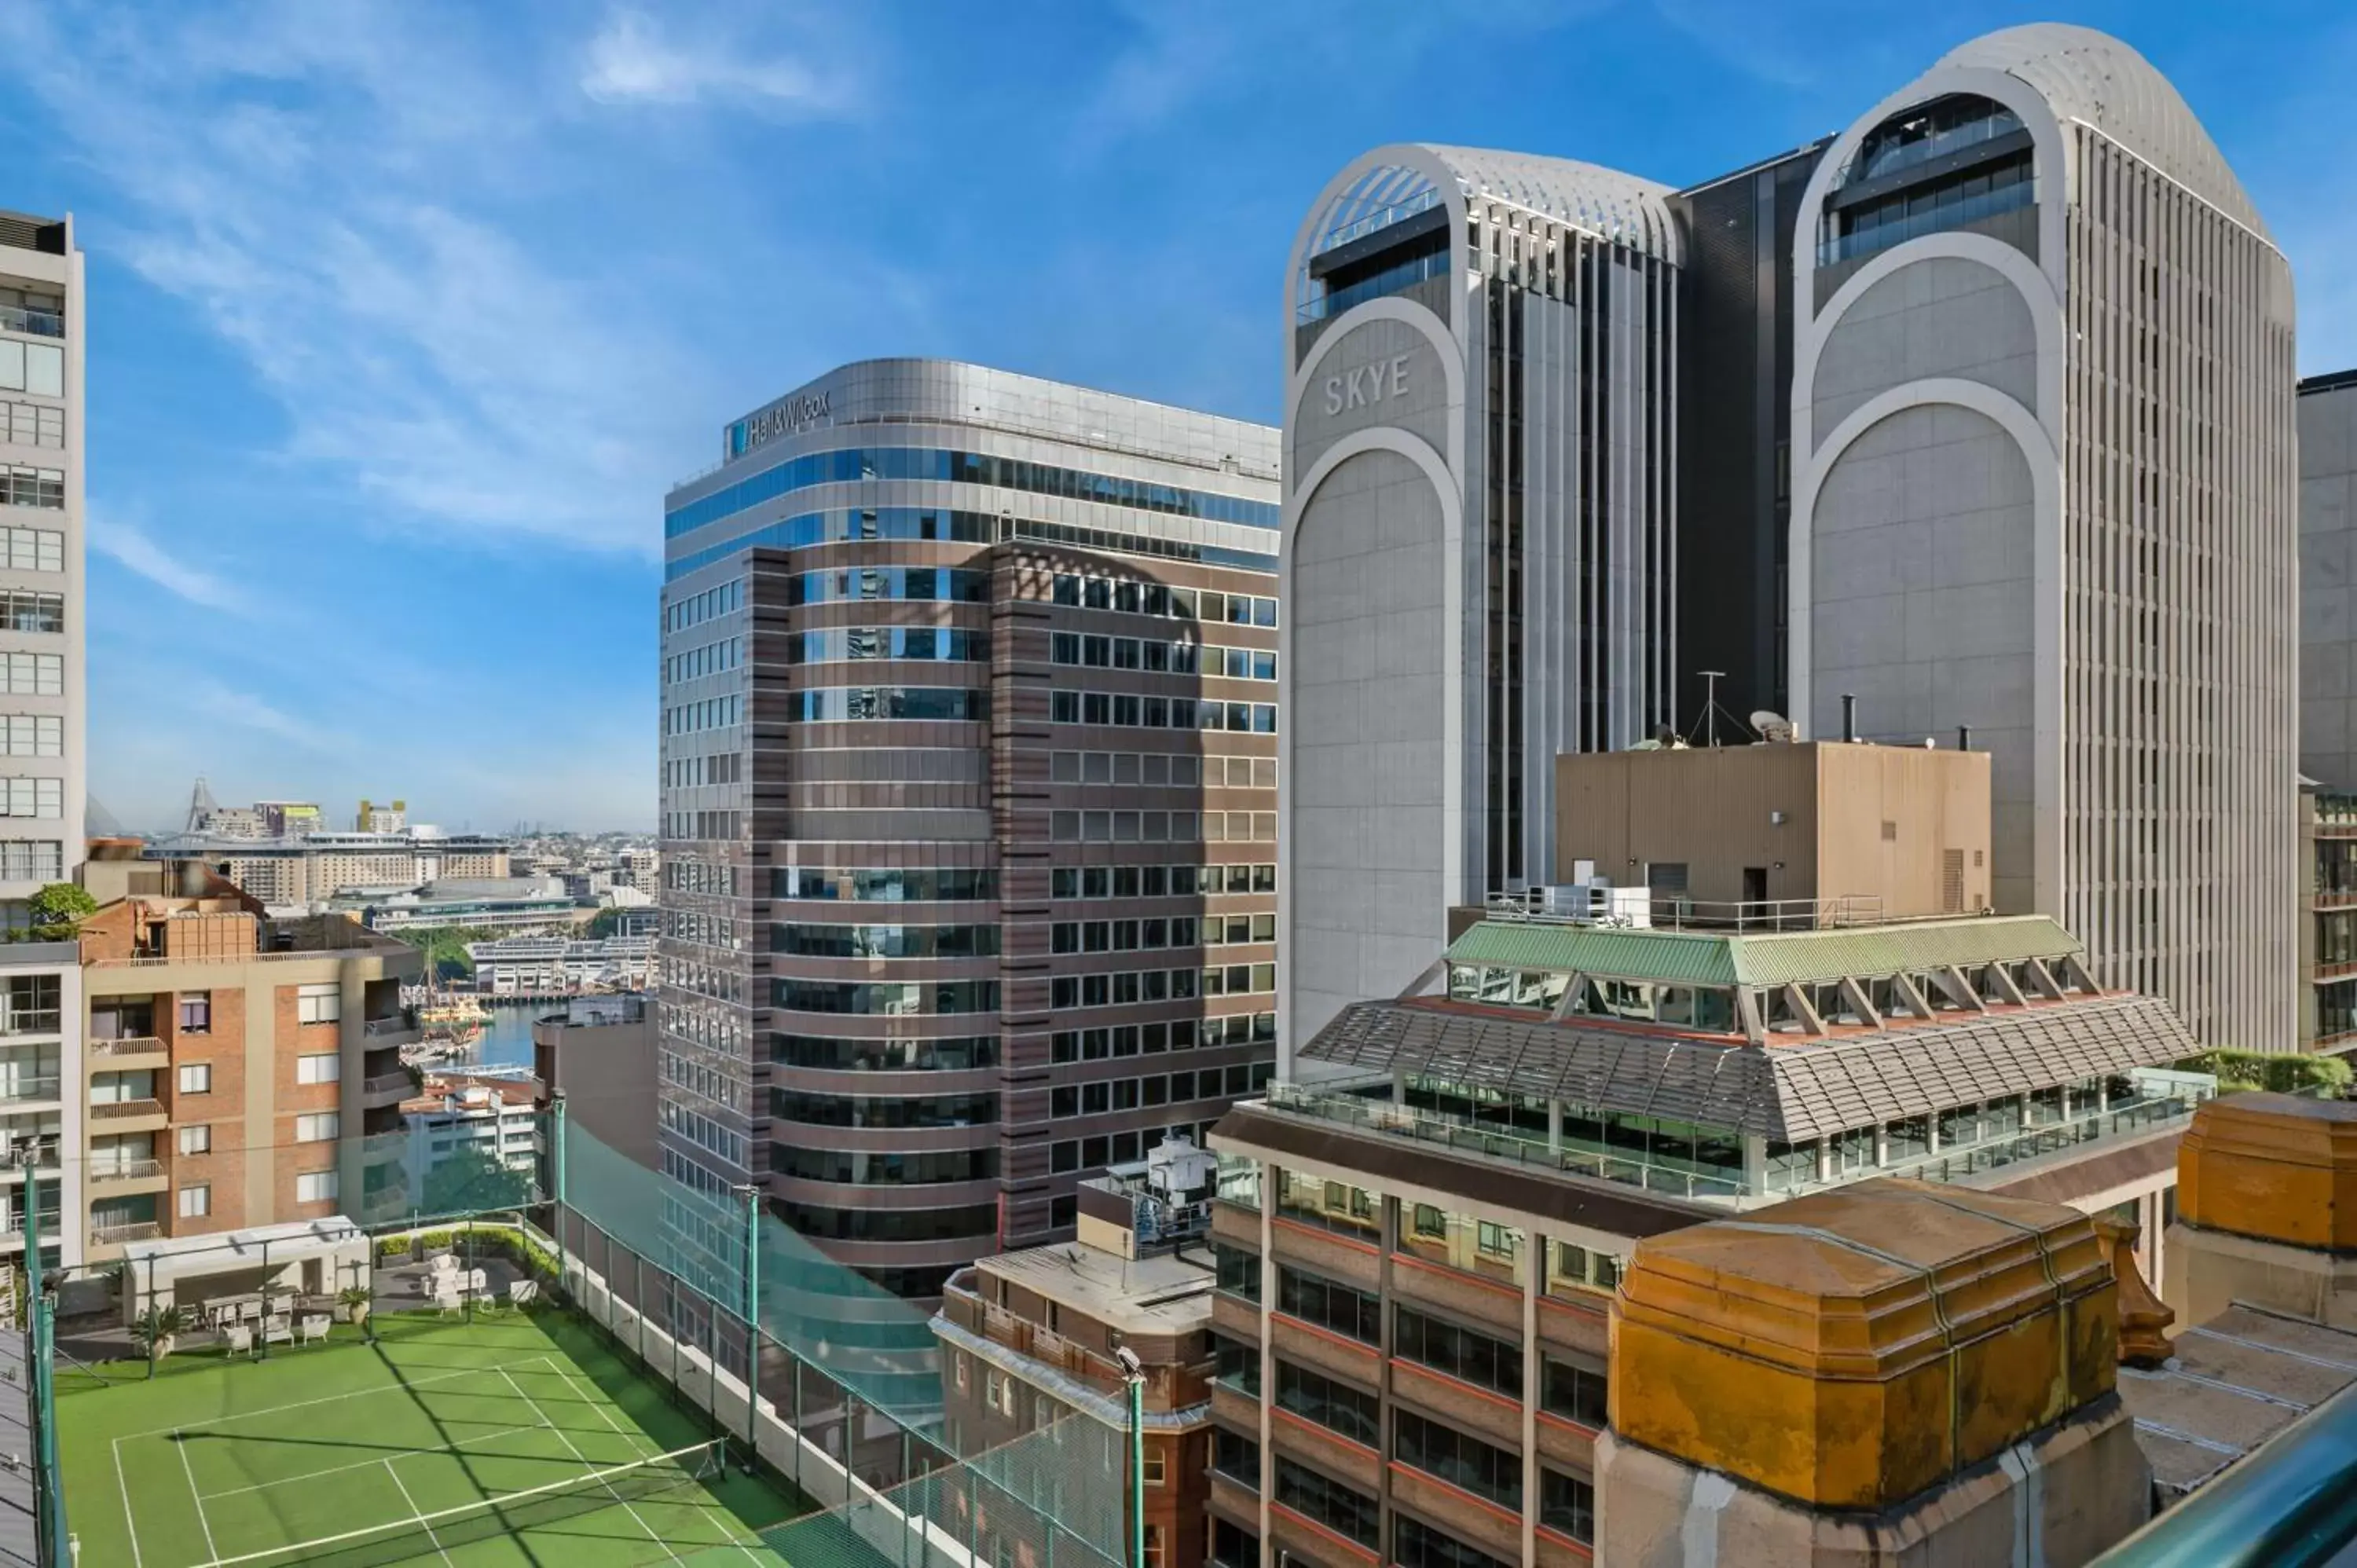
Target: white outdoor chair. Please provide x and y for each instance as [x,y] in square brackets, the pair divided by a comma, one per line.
[241,1340]
[447,1301]
[313,1328]
[522,1293]
[277,1329]
[477,1282]
[442,1262]
[249,1311]
[281,1305]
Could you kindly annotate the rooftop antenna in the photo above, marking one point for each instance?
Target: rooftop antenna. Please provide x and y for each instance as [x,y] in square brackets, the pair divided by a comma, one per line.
[1710,706]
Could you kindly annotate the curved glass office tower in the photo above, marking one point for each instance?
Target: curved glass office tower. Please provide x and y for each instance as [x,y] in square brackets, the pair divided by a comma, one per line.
[1481,442]
[2044,486]
[968,788]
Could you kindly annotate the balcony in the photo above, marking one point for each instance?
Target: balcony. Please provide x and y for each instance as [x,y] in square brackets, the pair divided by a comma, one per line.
[114,1236]
[38,323]
[387,1088]
[116,1177]
[401,1029]
[130,1115]
[132,1052]
[25,1089]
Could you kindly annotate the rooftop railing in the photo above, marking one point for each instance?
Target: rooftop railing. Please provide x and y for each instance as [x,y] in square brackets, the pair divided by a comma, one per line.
[1675,912]
[2160,1097]
[39,323]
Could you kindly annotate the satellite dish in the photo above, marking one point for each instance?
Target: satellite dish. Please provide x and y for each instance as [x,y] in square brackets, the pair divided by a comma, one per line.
[1772,726]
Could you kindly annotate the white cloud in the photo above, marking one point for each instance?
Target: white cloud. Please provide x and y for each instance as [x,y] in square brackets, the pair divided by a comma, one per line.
[225,705]
[632,61]
[132,549]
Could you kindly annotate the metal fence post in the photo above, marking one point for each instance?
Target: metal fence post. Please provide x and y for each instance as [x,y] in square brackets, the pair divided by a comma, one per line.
[752,1324]
[556,1161]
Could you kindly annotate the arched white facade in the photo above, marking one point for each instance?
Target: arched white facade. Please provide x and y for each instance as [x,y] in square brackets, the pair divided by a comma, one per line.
[2124,338]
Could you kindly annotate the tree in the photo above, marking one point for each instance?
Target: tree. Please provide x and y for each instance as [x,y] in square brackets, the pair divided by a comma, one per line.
[467,1181]
[58,909]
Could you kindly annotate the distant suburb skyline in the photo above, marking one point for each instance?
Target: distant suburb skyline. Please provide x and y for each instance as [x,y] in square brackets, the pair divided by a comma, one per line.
[403,314]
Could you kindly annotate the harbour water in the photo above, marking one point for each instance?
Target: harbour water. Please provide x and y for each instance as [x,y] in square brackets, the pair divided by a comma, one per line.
[507,1039]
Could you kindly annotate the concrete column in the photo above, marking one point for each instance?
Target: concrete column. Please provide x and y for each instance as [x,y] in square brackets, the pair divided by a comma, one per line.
[2267,1211]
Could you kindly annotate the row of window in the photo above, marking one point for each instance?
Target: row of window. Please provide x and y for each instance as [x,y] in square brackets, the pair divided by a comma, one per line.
[885,941]
[1339,1407]
[1153,767]
[729,653]
[1117,1148]
[884,1110]
[1161,985]
[834,704]
[37,674]
[1133,711]
[31,859]
[724,598]
[36,367]
[845,644]
[31,424]
[35,549]
[888,998]
[713,768]
[1148,1040]
[23,610]
[1161,658]
[711,713]
[21,486]
[870,1169]
[854,465]
[884,885]
[32,798]
[1131,596]
[1328,1304]
[33,734]
[684,874]
[840,1222]
[1161,881]
[1162,827]
[826,1054]
[1157,1088]
[703,1132]
[1179,931]
[939,584]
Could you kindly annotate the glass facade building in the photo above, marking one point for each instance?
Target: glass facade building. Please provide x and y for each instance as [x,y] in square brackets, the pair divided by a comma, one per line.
[969,743]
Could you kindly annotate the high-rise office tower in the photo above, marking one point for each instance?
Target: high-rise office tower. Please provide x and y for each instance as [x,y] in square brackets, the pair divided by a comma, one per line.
[2044,486]
[42,784]
[1481,447]
[1980,413]
[969,802]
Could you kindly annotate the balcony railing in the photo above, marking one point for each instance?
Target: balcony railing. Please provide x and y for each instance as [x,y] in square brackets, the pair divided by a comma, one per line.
[125,1170]
[129,1230]
[2160,1097]
[24,1085]
[125,1110]
[388,1083]
[40,323]
[129,1046]
[403,1023]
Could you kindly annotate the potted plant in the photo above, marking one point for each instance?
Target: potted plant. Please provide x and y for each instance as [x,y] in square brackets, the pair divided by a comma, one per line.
[157,1330]
[352,1304]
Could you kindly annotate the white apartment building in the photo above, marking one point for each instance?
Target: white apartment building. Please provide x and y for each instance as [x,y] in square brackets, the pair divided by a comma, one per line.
[461,1117]
[548,966]
[42,782]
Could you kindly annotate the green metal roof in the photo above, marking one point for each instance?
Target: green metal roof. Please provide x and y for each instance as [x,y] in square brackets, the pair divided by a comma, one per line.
[1771,958]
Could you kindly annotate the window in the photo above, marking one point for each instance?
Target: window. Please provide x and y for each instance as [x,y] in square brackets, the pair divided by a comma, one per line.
[32,797]
[34,550]
[1331,1305]
[32,425]
[1415,1544]
[1236,1457]
[196,1013]
[324,1068]
[1574,1393]
[1238,1271]
[36,367]
[196,1077]
[315,1186]
[317,1127]
[1460,1353]
[37,674]
[196,1200]
[24,610]
[1567,1505]
[1461,1460]
[1337,1406]
[22,486]
[196,1140]
[1156,1466]
[319,1004]
[1343,1510]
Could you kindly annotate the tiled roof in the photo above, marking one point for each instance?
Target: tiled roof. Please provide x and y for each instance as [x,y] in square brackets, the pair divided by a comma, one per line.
[1771,957]
[1807,1087]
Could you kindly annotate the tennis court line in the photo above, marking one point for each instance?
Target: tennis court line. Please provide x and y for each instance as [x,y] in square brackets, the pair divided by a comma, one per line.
[189,1471]
[612,1490]
[454,1449]
[608,1416]
[417,1513]
[124,1488]
[333,1399]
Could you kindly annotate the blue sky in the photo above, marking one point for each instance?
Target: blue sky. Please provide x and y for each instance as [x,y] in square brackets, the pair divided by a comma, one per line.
[405,315]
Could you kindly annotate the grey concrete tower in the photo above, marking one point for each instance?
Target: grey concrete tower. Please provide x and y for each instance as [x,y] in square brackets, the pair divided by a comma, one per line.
[1479,435]
[2045,478]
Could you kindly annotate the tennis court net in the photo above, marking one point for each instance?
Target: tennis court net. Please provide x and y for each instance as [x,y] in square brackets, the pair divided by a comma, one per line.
[682,1471]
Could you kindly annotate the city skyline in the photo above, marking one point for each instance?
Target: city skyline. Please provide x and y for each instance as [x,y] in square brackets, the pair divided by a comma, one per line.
[317,484]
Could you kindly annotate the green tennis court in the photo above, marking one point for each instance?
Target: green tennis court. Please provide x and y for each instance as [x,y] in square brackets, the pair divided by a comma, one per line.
[517,1440]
